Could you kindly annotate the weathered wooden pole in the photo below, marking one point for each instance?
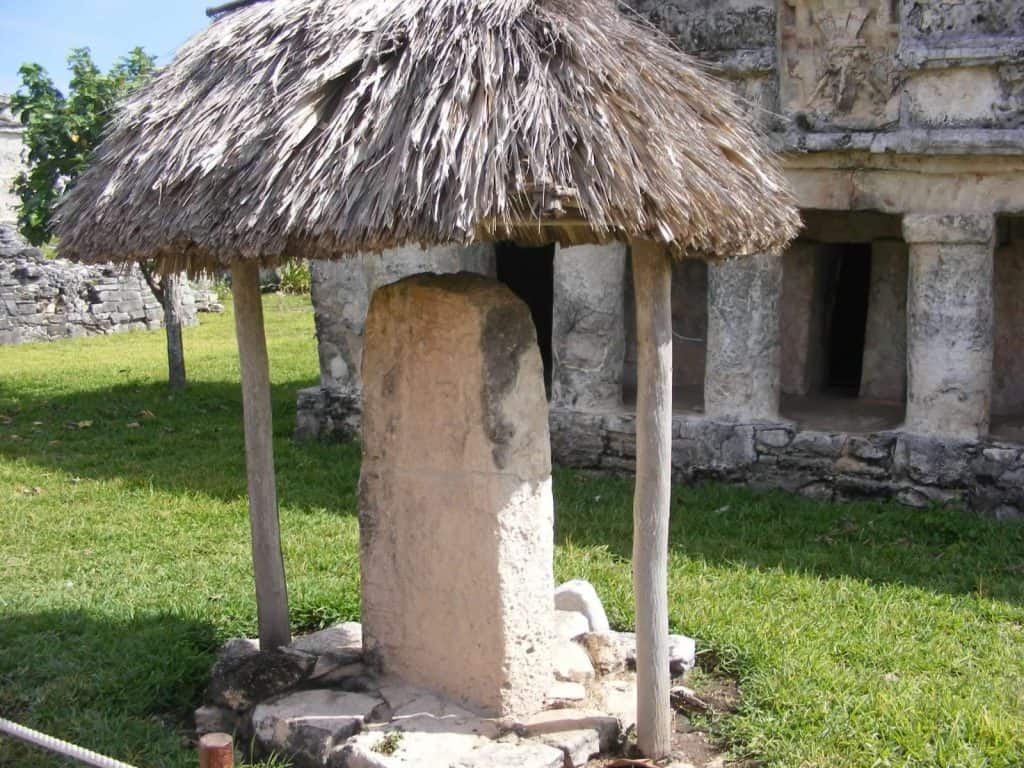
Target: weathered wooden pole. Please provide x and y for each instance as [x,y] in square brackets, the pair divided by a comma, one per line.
[268,563]
[216,750]
[171,298]
[652,280]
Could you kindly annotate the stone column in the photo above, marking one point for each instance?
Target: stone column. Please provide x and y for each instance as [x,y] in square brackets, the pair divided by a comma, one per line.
[884,375]
[589,339]
[950,324]
[744,350]
[455,508]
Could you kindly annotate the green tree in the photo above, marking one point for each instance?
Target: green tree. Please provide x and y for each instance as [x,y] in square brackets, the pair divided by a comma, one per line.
[61,131]
[61,134]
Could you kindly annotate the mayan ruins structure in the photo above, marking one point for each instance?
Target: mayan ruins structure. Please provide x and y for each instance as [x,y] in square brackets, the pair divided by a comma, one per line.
[881,355]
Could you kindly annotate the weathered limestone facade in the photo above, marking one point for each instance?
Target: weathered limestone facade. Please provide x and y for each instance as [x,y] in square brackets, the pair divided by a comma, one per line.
[10,160]
[883,354]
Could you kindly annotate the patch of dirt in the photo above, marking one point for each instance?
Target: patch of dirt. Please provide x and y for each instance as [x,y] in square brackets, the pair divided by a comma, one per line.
[692,745]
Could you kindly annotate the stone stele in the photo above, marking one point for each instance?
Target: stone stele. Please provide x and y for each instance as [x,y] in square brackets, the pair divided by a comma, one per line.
[456,512]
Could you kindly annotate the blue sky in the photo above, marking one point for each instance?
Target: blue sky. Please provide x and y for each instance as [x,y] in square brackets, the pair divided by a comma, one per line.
[44,31]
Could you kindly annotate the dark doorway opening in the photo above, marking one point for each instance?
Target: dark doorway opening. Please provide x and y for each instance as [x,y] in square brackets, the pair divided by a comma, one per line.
[851,287]
[530,273]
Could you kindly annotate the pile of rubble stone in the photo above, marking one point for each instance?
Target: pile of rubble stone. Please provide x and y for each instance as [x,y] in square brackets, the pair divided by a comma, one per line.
[318,705]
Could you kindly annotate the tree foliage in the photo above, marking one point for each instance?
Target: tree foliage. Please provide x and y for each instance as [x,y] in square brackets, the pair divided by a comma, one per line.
[61,131]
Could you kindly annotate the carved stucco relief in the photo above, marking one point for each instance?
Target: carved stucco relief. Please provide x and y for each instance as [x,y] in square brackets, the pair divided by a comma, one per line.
[838,63]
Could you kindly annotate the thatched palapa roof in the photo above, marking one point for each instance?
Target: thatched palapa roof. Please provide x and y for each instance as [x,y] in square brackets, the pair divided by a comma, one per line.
[319,128]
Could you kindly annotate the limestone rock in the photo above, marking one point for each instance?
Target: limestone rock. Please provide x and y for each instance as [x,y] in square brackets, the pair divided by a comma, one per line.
[579,595]
[571,662]
[610,651]
[577,746]
[456,512]
[344,642]
[309,726]
[562,694]
[241,681]
[569,625]
[619,700]
[604,726]
[513,754]
[614,651]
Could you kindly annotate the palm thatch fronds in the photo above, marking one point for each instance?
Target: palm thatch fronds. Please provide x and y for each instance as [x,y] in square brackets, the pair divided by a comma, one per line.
[319,128]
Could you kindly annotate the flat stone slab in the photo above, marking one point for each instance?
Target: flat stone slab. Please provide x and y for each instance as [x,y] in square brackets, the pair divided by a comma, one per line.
[513,754]
[561,721]
[308,727]
[562,694]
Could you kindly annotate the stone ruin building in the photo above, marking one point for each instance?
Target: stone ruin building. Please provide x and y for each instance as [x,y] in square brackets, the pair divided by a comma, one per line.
[43,299]
[882,354]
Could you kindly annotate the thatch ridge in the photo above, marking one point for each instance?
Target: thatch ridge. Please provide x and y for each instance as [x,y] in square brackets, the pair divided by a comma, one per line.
[320,128]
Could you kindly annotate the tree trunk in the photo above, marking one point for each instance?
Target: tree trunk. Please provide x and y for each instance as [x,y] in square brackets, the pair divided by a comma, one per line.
[171,300]
[652,278]
[268,563]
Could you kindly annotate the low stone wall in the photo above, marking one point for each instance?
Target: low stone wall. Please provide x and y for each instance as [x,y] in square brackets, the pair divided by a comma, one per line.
[917,471]
[46,299]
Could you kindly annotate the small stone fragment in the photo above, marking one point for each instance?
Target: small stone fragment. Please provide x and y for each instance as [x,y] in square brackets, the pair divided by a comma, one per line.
[343,641]
[610,652]
[578,747]
[562,694]
[569,625]
[686,700]
[571,662]
[579,595]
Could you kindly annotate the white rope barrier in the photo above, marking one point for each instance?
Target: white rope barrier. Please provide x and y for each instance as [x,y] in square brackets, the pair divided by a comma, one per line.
[59,747]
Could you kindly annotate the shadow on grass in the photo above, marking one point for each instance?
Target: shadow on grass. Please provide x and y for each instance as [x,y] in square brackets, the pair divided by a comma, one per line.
[124,688]
[944,551]
[187,442]
[193,443]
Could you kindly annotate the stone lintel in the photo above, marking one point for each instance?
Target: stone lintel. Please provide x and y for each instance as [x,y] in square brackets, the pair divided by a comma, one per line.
[952,228]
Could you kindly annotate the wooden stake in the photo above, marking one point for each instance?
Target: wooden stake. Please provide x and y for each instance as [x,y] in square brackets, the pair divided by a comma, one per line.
[652,279]
[268,564]
[216,750]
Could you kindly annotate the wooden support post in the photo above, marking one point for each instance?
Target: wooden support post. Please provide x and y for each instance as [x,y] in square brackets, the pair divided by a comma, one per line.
[652,279]
[216,750]
[268,563]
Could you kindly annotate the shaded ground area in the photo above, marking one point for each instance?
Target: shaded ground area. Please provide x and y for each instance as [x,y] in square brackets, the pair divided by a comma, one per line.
[860,635]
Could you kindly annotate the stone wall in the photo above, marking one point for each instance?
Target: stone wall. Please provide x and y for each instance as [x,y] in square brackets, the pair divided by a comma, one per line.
[915,470]
[46,299]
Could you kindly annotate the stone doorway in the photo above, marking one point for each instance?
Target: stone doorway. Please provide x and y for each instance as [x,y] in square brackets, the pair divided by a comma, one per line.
[530,273]
[1008,367]
[844,320]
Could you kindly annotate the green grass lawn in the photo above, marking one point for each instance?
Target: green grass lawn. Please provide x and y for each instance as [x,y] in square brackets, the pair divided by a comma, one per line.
[862,635]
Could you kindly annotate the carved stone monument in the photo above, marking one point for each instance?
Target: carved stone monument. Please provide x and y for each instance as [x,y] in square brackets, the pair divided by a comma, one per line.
[838,62]
[456,512]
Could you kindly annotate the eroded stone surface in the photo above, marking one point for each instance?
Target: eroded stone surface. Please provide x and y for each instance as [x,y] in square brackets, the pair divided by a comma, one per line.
[571,663]
[241,681]
[513,754]
[309,727]
[455,497]
[572,720]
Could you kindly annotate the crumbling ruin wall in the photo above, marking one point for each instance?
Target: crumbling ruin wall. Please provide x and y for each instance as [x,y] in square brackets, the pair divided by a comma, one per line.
[46,299]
